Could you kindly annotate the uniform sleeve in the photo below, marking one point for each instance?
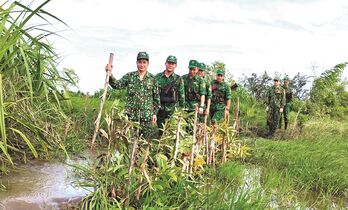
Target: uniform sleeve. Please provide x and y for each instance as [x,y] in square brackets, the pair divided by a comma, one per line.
[156,97]
[119,84]
[202,87]
[268,97]
[283,101]
[181,93]
[228,92]
[209,91]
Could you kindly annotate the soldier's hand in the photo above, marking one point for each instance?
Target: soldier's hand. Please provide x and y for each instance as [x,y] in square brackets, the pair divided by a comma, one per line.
[281,110]
[206,112]
[154,119]
[200,110]
[108,68]
[267,108]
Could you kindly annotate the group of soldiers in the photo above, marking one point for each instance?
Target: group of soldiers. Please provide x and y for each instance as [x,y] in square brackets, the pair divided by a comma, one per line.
[152,99]
[278,101]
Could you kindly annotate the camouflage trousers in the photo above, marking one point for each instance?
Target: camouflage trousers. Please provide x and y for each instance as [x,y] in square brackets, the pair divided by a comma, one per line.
[162,116]
[217,116]
[284,115]
[146,130]
[273,116]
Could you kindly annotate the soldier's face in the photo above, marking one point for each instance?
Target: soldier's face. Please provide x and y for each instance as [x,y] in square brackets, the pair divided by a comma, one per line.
[142,65]
[286,84]
[276,83]
[193,71]
[220,77]
[170,66]
[201,73]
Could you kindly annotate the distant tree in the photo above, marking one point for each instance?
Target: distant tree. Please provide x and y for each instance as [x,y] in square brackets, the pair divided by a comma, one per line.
[257,85]
[298,84]
[328,94]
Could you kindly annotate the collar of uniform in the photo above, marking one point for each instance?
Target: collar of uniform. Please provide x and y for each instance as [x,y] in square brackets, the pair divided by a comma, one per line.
[164,75]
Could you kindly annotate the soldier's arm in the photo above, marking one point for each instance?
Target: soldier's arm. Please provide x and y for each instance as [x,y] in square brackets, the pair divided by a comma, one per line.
[119,84]
[202,92]
[283,101]
[209,95]
[181,93]
[156,98]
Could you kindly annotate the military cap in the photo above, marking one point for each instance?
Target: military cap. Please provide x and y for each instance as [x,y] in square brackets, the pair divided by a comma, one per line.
[143,55]
[276,78]
[193,64]
[220,71]
[286,79]
[201,66]
[171,59]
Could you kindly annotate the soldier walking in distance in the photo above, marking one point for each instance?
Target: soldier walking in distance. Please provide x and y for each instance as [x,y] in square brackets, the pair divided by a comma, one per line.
[172,93]
[142,99]
[221,98]
[275,106]
[288,100]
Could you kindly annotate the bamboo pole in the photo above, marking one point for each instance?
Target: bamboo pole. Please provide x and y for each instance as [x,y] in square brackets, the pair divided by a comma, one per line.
[177,141]
[106,84]
[206,141]
[193,140]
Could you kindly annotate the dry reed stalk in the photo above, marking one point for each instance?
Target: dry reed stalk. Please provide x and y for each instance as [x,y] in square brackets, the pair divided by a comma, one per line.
[193,141]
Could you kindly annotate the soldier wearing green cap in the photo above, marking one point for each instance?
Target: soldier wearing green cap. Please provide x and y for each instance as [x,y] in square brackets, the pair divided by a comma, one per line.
[288,100]
[275,104]
[195,88]
[172,92]
[221,98]
[142,99]
[201,73]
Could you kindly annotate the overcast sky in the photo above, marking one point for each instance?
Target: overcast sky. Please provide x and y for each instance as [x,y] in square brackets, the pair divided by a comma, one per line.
[248,35]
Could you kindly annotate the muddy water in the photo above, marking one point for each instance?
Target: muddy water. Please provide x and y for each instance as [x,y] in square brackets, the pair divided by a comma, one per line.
[40,185]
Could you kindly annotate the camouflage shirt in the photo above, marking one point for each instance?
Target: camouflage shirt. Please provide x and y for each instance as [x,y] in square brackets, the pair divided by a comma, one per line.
[208,90]
[194,88]
[173,87]
[142,100]
[288,94]
[275,97]
[221,93]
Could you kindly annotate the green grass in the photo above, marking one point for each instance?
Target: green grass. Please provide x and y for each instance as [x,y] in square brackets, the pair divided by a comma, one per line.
[317,161]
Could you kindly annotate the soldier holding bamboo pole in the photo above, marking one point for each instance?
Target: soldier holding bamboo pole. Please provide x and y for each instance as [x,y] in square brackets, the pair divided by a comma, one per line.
[142,99]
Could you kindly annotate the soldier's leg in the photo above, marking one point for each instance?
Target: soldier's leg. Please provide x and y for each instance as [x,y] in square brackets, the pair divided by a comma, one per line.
[280,120]
[161,118]
[286,113]
[148,130]
[273,122]
[218,116]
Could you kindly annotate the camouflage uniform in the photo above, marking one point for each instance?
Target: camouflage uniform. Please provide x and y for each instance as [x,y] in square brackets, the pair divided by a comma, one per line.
[221,93]
[288,99]
[194,88]
[172,95]
[142,100]
[202,67]
[275,101]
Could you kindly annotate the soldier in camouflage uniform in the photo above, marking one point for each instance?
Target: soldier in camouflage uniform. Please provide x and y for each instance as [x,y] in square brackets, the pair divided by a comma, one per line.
[288,99]
[221,98]
[142,100]
[275,104]
[201,74]
[195,88]
[172,92]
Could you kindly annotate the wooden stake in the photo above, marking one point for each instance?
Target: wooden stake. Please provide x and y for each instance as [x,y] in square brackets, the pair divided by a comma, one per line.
[106,84]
